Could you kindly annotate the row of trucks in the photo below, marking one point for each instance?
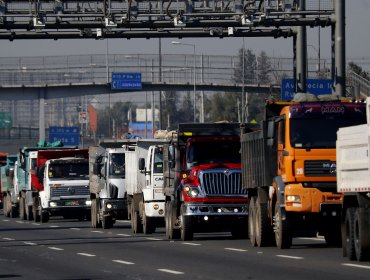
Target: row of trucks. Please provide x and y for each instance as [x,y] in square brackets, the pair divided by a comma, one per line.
[289,177]
[188,180]
[46,180]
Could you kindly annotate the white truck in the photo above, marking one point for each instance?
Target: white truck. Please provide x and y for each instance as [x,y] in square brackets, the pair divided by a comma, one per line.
[353,179]
[62,184]
[144,180]
[107,182]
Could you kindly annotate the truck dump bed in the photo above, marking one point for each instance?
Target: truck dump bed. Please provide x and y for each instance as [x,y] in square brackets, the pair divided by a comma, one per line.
[353,164]
[258,160]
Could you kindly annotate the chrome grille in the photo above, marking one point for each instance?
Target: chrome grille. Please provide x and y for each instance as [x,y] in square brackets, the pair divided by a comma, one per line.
[320,168]
[221,182]
[69,191]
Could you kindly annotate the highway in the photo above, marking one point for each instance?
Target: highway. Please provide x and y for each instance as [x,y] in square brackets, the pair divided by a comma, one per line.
[71,249]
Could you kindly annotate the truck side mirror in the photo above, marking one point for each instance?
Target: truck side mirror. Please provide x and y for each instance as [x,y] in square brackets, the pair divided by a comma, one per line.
[172,156]
[11,173]
[141,164]
[7,172]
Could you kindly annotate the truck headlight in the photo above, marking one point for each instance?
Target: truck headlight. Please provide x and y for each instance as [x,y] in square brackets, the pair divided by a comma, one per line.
[109,206]
[53,204]
[293,198]
[191,191]
[88,202]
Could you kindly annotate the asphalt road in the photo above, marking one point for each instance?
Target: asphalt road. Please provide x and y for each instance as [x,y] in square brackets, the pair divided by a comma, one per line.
[69,249]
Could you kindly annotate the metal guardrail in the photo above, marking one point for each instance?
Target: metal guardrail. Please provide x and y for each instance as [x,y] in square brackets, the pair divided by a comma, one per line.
[358,85]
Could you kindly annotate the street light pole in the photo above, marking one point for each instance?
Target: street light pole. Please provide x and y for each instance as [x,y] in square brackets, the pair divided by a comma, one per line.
[194,72]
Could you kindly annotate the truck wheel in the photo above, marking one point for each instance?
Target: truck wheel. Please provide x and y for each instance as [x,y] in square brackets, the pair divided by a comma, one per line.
[360,237]
[148,224]
[22,209]
[186,230]
[283,237]
[7,206]
[252,221]
[29,214]
[136,225]
[107,222]
[262,226]
[171,233]
[36,209]
[95,221]
[44,216]
[349,235]
[14,211]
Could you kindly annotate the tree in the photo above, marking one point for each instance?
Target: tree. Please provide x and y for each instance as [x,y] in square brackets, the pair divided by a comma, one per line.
[250,66]
[263,68]
[358,70]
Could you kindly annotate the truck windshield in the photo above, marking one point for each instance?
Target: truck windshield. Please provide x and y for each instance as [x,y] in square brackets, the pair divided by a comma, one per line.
[158,161]
[318,133]
[117,165]
[213,152]
[70,171]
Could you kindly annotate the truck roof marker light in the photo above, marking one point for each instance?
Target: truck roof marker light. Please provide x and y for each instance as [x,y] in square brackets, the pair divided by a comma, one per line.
[188,133]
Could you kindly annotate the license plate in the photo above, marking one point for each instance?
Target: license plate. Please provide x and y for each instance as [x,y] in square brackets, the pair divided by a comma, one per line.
[71,203]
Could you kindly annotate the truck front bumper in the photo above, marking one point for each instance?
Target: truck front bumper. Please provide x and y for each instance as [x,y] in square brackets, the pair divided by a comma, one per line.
[117,208]
[200,209]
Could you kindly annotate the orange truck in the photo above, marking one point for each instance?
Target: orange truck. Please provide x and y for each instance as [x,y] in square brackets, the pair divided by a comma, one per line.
[289,171]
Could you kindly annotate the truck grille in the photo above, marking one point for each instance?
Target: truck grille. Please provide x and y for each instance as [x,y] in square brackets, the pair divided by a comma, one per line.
[69,191]
[320,168]
[221,182]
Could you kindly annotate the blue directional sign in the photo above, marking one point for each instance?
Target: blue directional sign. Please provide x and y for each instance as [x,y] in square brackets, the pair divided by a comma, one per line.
[314,86]
[126,81]
[69,135]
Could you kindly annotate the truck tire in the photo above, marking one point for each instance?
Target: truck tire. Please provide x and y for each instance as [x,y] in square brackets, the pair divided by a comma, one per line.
[252,221]
[360,237]
[107,222]
[171,233]
[29,214]
[349,235]
[22,209]
[283,237]
[7,206]
[262,226]
[186,229]
[148,224]
[95,221]
[14,211]
[44,216]
[136,225]
[36,209]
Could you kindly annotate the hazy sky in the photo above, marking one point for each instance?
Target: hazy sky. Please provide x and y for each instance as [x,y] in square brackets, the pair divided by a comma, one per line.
[357,33]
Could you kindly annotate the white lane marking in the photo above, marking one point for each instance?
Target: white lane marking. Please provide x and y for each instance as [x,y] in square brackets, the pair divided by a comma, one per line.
[56,248]
[170,271]
[74,228]
[124,234]
[191,244]
[86,254]
[5,220]
[36,224]
[29,243]
[155,239]
[260,252]
[8,238]
[97,231]
[54,226]
[312,238]
[290,257]
[19,222]
[236,249]
[356,265]
[123,262]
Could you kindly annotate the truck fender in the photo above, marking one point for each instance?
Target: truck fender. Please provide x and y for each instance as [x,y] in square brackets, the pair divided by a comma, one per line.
[280,189]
